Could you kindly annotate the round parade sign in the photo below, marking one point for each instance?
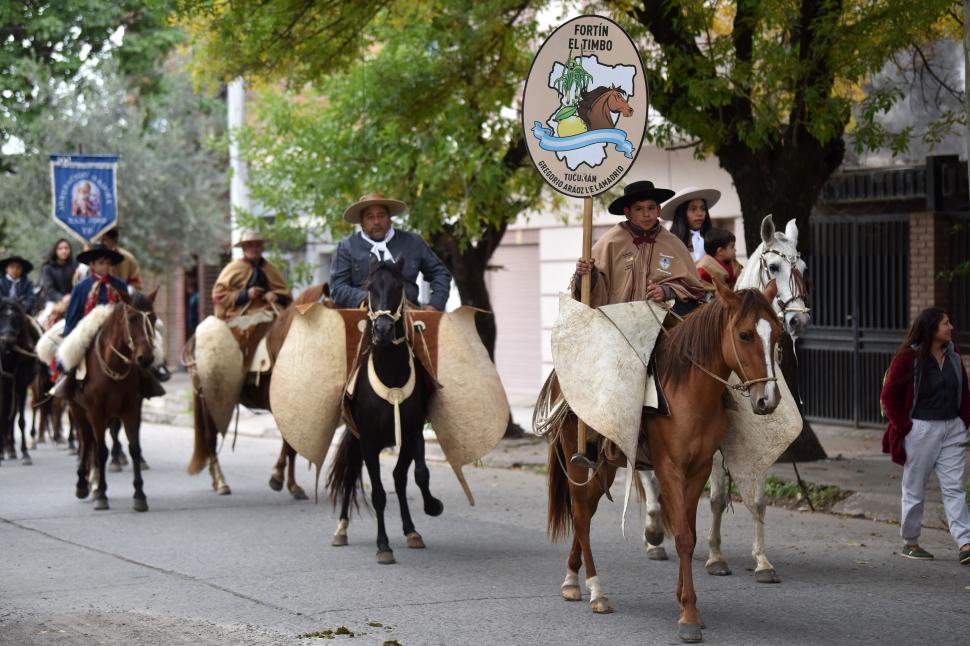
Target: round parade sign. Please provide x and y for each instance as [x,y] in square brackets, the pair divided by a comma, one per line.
[585,106]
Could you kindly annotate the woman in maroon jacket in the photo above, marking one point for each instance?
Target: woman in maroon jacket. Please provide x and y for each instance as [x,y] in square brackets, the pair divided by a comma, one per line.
[927,403]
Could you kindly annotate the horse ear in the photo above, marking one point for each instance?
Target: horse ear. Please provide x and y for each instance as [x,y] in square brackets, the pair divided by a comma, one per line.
[725,293]
[767,230]
[374,263]
[791,231]
[399,264]
[771,290]
[151,295]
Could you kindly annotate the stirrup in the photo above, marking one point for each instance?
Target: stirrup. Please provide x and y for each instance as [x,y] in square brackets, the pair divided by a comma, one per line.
[581,460]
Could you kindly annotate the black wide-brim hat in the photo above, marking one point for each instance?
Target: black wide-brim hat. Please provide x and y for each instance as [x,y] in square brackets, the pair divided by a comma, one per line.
[100,251]
[636,191]
[26,264]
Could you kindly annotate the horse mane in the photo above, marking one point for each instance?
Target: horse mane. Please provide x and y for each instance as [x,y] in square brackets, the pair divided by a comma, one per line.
[142,303]
[588,99]
[27,329]
[699,336]
[383,265]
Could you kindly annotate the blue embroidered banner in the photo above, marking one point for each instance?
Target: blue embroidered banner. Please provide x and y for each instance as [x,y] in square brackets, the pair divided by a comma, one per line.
[548,141]
[85,194]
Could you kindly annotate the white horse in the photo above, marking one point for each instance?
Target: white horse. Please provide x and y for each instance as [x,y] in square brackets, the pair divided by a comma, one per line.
[775,258]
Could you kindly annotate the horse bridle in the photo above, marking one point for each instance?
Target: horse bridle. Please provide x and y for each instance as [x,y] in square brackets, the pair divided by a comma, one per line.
[129,343]
[794,287]
[395,316]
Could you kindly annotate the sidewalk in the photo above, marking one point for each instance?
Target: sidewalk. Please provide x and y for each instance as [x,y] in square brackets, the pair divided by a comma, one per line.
[856,462]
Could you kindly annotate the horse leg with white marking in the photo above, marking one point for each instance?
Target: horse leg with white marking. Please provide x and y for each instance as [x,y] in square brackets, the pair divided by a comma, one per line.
[720,494]
[653,531]
[764,571]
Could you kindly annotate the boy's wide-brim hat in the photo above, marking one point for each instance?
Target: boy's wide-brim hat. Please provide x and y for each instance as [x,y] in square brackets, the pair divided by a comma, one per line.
[100,251]
[394,207]
[26,264]
[636,191]
[685,195]
[251,236]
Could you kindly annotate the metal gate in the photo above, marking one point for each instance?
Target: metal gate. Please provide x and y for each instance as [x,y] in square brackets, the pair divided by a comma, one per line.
[859,273]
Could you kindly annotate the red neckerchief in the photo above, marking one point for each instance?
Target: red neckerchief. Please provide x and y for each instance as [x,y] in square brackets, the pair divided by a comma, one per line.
[99,282]
[641,237]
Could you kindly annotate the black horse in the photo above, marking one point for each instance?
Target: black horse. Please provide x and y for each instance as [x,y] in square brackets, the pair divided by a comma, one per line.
[18,365]
[388,372]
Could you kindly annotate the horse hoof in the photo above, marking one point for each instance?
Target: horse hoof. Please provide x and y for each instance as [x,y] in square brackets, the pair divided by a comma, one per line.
[144,466]
[114,467]
[140,504]
[26,461]
[100,504]
[9,454]
[601,606]
[275,484]
[657,553]
[223,490]
[123,459]
[299,494]
[386,558]
[571,593]
[767,576]
[339,540]
[415,542]
[690,633]
[717,568]
[434,507]
[655,537]
[32,444]
[72,450]
[81,493]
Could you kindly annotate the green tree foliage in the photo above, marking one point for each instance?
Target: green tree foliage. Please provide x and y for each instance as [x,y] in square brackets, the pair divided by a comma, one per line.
[416,105]
[47,44]
[769,86]
[172,185]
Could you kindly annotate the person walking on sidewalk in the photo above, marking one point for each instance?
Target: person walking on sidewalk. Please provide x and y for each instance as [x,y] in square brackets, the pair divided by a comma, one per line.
[927,402]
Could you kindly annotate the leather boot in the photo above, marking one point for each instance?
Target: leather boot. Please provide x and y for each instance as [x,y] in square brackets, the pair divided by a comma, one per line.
[65,387]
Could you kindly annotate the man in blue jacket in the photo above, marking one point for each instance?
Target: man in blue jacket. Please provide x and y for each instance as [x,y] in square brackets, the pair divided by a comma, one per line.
[378,239]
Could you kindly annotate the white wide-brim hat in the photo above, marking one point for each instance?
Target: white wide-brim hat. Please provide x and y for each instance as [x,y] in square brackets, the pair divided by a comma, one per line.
[353,213]
[250,236]
[685,195]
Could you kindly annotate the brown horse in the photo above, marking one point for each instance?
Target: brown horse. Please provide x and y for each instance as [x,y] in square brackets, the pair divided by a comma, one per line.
[121,351]
[597,106]
[735,332]
[255,396]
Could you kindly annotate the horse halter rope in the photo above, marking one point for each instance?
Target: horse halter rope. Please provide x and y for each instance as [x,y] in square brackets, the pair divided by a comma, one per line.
[393,396]
[129,343]
[794,285]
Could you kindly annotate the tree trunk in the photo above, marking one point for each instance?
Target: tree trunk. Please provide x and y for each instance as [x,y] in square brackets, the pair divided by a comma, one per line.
[784,181]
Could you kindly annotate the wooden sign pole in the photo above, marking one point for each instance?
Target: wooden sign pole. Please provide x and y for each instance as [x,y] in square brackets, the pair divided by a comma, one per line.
[585,284]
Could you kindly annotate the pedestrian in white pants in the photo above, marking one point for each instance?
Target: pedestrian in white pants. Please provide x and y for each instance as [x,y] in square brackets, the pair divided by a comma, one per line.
[927,402]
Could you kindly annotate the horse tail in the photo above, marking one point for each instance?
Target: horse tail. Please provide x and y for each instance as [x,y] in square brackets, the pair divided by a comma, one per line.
[200,449]
[560,501]
[346,472]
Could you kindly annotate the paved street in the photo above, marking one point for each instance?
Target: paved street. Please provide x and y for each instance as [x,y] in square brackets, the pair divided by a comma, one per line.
[256,567]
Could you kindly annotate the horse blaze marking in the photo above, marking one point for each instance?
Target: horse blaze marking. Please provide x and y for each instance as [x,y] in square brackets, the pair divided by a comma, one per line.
[764,331]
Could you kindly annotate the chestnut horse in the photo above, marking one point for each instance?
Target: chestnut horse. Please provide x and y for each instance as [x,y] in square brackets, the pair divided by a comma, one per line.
[735,332]
[122,349]
[255,396]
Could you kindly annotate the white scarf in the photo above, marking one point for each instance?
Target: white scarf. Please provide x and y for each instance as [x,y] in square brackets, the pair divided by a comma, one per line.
[380,247]
[13,286]
[697,241]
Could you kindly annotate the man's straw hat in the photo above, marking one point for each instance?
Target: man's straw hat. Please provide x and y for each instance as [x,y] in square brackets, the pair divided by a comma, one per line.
[394,207]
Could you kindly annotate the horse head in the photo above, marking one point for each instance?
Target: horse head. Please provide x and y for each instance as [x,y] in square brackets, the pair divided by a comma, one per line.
[748,347]
[780,261]
[617,101]
[140,321]
[385,300]
[12,322]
